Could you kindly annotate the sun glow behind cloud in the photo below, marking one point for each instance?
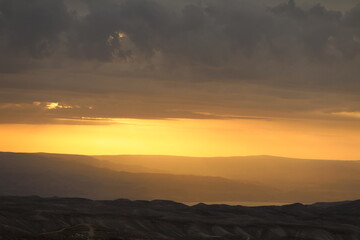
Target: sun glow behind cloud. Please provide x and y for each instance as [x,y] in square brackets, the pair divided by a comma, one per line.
[185,137]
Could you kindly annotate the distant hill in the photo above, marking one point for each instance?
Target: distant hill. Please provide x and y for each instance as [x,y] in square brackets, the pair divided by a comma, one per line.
[35,218]
[249,167]
[302,179]
[185,179]
[83,176]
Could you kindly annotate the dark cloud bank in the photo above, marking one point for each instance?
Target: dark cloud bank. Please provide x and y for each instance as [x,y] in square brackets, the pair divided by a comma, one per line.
[190,42]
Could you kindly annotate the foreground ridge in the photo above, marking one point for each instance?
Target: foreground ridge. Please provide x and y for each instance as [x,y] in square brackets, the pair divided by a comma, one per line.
[78,218]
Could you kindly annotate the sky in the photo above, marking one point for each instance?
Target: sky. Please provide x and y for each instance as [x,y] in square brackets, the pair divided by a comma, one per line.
[181,77]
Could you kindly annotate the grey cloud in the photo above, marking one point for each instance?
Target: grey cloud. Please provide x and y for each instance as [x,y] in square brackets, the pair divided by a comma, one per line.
[30,29]
[194,34]
[133,50]
[160,100]
[235,40]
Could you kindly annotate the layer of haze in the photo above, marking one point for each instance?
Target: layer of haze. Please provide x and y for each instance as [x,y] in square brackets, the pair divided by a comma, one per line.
[188,179]
[188,138]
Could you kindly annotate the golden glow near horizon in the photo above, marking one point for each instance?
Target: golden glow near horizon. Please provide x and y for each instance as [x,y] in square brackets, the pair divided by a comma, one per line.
[186,137]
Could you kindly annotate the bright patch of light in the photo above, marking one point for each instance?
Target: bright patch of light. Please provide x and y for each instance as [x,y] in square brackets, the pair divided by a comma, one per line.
[121,35]
[52,105]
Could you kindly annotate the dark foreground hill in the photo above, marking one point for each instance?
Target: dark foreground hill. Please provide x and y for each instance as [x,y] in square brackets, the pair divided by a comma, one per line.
[30,218]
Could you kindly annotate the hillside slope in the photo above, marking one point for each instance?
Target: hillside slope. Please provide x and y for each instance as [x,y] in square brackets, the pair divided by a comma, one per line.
[30,218]
[259,179]
[301,179]
[72,175]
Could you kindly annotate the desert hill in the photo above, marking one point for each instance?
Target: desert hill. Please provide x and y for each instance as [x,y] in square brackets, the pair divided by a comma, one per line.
[324,180]
[83,176]
[30,218]
[234,179]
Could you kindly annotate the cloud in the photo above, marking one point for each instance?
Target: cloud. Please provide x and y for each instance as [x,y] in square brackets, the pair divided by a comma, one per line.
[232,39]
[348,114]
[211,33]
[30,30]
[145,58]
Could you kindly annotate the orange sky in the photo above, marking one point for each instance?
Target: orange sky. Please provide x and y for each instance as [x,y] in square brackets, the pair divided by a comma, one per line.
[301,139]
[246,78]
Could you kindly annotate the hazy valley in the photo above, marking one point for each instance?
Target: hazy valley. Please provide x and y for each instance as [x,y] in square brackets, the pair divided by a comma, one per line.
[47,197]
[184,179]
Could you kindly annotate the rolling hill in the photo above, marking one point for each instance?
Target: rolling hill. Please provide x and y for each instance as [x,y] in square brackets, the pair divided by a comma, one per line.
[302,179]
[185,179]
[83,176]
[35,218]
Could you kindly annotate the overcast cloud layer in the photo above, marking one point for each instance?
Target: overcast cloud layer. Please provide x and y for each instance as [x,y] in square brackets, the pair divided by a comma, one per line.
[175,59]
